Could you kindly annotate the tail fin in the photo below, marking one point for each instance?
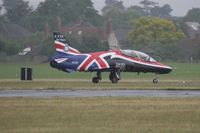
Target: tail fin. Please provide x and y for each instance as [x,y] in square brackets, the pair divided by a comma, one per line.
[62,45]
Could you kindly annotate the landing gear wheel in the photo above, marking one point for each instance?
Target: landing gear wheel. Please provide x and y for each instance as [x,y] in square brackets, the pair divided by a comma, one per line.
[113,77]
[95,80]
[114,80]
[155,81]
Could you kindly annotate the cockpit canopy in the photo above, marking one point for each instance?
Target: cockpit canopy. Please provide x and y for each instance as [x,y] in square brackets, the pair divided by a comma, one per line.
[137,54]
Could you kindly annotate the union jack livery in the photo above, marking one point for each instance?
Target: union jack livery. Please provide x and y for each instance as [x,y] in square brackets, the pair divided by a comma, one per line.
[69,59]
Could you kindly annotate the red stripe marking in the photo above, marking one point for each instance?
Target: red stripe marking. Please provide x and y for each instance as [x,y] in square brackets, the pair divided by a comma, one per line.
[59,46]
[94,56]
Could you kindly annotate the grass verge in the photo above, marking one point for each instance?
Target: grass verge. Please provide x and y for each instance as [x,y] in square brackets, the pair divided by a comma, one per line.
[181,71]
[183,76]
[97,115]
[86,84]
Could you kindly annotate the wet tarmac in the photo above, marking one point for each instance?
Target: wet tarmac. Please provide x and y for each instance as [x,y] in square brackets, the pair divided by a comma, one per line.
[97,93]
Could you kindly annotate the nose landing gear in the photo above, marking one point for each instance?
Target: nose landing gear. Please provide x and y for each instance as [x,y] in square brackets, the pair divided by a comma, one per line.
[156,79]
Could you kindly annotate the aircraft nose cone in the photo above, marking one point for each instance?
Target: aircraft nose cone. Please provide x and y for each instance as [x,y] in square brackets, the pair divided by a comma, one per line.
[167,70]
[164,70]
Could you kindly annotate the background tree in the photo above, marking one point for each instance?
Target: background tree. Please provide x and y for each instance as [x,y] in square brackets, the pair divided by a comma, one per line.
[130,14]
[157,35]
[153,30]
[68,10]
[93,44]
[16,10]
[114,10]
[117,18]
[148,5]
[193,15]
[2,44]
[162,12]
[135,12]
[113,5]
[121,17]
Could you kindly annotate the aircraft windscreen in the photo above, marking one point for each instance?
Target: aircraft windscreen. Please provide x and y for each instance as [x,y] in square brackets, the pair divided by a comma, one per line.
[139,55]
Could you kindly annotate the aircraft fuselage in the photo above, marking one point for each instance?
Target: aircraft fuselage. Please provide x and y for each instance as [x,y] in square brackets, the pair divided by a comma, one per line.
[106,61]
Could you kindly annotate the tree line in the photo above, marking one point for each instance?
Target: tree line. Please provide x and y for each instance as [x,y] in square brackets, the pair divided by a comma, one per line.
[149,27]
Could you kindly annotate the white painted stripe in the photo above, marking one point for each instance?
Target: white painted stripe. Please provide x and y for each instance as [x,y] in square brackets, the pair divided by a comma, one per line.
[94,61]
[88,56]
[104,55]
[60,43]
[60,60]
[74,49]
[61,50]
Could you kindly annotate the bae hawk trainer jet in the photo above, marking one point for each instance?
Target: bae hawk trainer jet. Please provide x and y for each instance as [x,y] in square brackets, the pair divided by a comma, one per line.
[69,59]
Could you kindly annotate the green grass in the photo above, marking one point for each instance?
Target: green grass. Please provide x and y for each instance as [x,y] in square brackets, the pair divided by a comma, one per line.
[100,115]
[183,76]
[184,71]
[86,84]
[181,71]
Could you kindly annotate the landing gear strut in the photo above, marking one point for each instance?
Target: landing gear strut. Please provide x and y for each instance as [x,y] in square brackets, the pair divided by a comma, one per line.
[115,76]
[156,79]
[97,78]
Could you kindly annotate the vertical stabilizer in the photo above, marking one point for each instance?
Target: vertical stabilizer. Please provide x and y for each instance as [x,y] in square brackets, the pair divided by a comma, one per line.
[61,44]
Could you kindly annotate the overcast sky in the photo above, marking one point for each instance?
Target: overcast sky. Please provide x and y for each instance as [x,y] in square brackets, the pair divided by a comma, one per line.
[180,7]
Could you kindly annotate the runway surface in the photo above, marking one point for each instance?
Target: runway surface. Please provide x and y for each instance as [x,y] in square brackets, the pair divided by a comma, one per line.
[97,93]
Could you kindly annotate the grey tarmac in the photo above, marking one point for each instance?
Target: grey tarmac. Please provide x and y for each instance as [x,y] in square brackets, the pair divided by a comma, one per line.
[97,93]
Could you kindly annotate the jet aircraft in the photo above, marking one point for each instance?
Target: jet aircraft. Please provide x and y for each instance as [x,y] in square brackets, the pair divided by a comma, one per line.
[69,59]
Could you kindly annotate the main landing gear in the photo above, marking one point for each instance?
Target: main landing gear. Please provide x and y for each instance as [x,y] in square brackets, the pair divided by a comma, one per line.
[115,76]
[97,78]
[156,79]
